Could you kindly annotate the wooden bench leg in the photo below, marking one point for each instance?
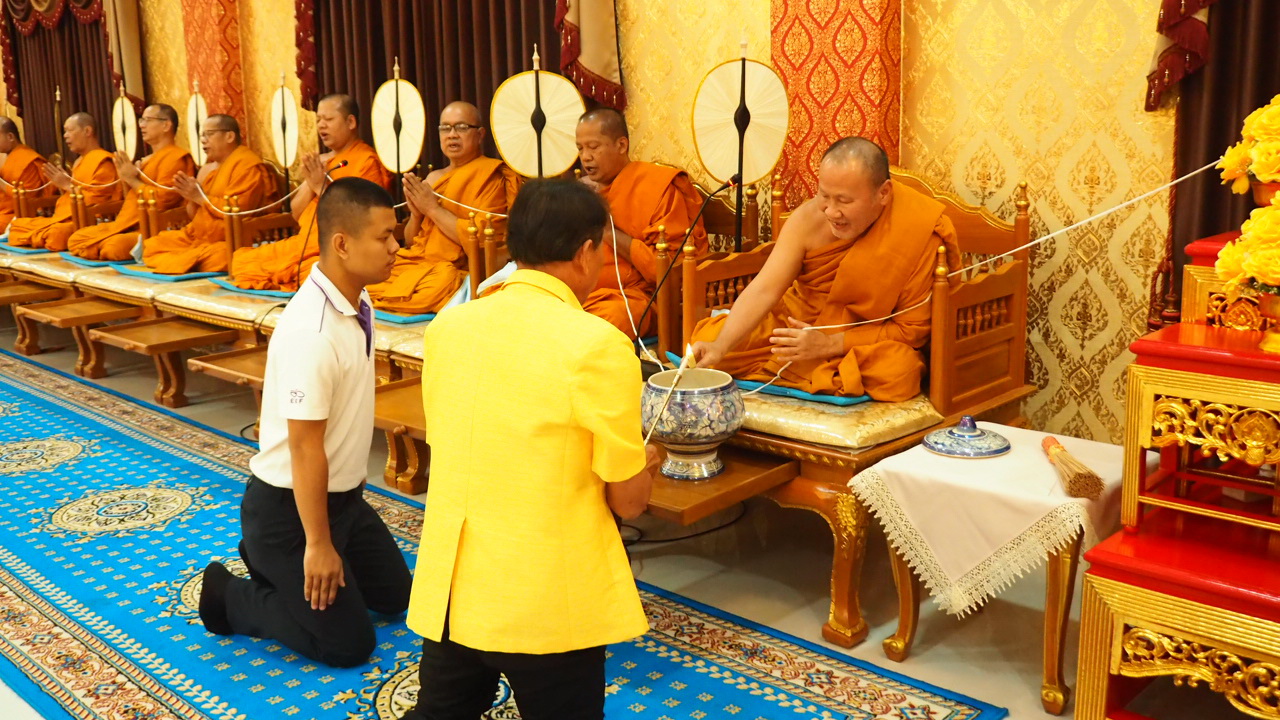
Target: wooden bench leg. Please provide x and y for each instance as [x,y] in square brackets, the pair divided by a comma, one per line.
[91,356]
[1060,586]
[413,478]
[28,340]
[898,646]
[175,393]
[395,458]
[847,517]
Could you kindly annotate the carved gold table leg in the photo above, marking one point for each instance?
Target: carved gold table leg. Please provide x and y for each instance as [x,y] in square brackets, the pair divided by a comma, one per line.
[91,358]
[28,340]
[413,478]
[174,395]
[847,517]
[898,646]
[1059,587]
[395,457]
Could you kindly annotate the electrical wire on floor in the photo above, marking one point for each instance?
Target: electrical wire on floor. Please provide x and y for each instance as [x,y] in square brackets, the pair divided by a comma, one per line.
[639,538]
[246,437]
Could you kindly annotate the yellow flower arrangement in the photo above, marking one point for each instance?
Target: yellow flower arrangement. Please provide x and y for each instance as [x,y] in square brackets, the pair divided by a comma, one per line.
[1251,264]
[1257,155]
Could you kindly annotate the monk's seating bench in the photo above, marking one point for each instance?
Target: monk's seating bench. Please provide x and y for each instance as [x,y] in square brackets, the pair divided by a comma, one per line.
[55,274]
[854,427]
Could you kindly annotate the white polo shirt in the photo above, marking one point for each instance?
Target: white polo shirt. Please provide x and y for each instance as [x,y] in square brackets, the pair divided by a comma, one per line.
[320,366]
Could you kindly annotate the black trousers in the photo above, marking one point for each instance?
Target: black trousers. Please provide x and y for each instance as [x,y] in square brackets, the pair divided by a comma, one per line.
[271,604]
[459,683]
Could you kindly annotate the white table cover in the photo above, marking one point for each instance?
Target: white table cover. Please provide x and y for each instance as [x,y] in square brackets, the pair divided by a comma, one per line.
[971,527]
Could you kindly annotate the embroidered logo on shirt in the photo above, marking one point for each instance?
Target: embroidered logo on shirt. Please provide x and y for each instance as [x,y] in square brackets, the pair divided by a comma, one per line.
[296,396]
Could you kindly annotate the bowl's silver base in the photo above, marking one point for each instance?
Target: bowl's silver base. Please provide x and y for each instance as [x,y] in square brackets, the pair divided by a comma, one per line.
[692,466]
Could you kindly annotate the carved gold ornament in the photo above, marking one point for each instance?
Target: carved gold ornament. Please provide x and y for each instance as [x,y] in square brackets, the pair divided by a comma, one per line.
[1229,431]
[1252,687]
[1240,314]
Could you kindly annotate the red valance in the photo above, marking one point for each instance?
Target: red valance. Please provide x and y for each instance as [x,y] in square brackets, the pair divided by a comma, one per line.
[27,14]
[1188,50]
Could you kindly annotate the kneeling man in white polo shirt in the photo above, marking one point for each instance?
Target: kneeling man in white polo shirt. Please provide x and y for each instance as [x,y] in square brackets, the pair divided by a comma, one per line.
[319,556]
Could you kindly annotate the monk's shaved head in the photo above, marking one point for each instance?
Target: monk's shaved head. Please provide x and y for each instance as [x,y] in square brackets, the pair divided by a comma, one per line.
[612,122]
[224,123]
[84,120]
[470,113]
[343,103]
[8,126]
[168,113]
[862,153]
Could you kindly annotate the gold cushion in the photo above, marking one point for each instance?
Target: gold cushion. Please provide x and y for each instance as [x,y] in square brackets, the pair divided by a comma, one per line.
[204,297]
[129,286]
[386,336]
[856,426]
[55,268]
[6,258]
[409,346]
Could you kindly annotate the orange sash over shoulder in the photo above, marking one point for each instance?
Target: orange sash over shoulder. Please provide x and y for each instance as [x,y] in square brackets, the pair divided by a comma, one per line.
[93,170]
[432,266]
[642,198]
[275,266]
[21,166]
[199,246]
[115,240]
[888,269]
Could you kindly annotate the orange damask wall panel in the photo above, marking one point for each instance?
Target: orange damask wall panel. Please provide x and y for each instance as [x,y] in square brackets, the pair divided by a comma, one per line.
[841,61]
[213,54]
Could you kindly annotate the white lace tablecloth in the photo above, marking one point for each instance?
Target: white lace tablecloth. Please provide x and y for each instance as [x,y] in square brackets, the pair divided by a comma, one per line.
[970,528]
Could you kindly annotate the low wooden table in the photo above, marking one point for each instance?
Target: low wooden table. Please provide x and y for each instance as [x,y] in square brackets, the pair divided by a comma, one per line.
[78,314]
[398,412]
[164,339]
[19,292]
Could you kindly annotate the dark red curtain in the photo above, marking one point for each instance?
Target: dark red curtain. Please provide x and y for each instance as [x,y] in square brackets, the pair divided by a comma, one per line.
[1242,74]
[449,50]
[58,45]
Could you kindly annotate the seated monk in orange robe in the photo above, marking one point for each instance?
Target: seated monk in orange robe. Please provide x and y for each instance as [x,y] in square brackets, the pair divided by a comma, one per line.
[22,165]
[864,248]
[642,197]
[433,264]
[231,169]
[93,170]
[284,265]
[115,240]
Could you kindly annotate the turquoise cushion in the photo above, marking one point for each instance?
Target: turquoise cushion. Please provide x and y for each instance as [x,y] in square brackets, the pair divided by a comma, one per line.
[226,284]
[399,319]
[749,385]
[137,271]
[90,263]
[5,246]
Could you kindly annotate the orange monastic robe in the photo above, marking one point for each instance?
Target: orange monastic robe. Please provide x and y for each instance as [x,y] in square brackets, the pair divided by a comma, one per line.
[431,268]
[93,168]
[275,266]
[643,197]
[115,240]
[21,166]
[200,245]
[887,269]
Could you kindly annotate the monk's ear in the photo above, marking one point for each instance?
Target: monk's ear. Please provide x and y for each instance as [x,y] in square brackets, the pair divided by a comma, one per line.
[624,144]
[885,192]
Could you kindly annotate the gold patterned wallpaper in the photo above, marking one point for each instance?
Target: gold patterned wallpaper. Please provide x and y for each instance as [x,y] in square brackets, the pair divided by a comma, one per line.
[667,48]
[267,39]
[998,91]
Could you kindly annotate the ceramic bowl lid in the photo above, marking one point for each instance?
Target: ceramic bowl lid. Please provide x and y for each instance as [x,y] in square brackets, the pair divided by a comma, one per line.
[966,440]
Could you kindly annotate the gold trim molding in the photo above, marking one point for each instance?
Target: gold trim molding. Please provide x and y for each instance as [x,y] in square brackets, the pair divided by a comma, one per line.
[1247,685]
[1229,431]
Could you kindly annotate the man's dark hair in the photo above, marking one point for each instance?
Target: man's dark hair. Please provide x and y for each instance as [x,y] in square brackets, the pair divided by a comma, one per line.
[344,207]
[224,123]
[862,152]
[168,113]
[612,122]
[7,125]
[550,219]
[346,104]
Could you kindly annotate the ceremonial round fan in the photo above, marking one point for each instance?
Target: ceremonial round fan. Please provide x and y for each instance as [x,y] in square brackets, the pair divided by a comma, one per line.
[399,123]
[739,124]
[197,113]
[124,126]
[284,125]
[534,118]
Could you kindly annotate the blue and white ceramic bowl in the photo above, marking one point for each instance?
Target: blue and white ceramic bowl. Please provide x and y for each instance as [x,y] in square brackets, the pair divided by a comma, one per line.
[966,440]
[705,410]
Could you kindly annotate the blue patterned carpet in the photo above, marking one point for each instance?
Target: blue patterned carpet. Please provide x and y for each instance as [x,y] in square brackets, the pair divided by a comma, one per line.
[109,508]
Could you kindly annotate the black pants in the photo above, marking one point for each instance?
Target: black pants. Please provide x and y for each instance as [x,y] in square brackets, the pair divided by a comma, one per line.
[458,683]
[272,604]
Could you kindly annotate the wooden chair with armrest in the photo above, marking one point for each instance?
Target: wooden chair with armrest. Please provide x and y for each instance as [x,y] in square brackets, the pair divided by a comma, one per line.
[486,247]
[977,367]
[84,215]
[28,203]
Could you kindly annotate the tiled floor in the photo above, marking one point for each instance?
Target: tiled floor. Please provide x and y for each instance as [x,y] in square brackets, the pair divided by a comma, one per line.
[771,567]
